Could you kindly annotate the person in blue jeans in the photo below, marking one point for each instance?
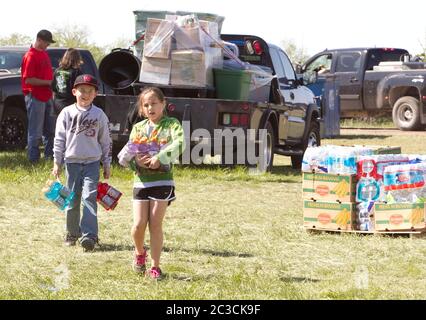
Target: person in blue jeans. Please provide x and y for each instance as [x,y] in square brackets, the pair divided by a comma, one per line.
[36,79]
[82,142]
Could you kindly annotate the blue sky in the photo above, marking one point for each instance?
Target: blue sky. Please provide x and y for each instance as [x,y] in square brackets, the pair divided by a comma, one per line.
[313,25]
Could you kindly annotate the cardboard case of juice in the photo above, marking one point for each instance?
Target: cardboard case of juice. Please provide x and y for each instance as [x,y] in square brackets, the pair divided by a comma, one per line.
[328,215]
[399,216]
[329,187]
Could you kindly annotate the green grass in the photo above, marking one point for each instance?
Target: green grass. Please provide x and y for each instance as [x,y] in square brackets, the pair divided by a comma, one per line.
[229,235]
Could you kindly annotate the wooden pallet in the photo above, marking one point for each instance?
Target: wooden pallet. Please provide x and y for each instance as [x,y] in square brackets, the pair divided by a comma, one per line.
[407,233]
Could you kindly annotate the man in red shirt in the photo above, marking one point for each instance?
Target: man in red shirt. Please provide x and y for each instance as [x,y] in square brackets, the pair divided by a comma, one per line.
[36,79]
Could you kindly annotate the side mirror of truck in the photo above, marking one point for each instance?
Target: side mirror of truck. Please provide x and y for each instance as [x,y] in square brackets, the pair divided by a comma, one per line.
[298,68]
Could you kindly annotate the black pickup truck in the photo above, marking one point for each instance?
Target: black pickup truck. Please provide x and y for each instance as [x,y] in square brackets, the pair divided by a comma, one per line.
[289,114]
[372,81]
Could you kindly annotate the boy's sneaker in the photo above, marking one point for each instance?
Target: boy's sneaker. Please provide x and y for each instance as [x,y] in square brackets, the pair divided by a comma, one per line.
[139,262]
[155,273]
[88,244]
[70,240]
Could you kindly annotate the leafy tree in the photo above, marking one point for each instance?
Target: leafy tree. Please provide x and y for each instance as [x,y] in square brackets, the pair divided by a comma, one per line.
[296,55]
[72,36]
[75,36]
[16,39]
[119,43]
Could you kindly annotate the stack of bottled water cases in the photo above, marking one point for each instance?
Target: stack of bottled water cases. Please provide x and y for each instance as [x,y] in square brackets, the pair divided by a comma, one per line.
[377,182]
[405,183]
[370,171]
[333,159]
[369,187]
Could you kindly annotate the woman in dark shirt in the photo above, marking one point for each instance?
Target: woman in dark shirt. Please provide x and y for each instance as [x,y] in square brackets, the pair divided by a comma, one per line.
[64,77]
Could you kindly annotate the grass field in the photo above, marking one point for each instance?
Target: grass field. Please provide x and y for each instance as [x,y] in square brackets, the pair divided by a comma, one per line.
[368,122]
[229,235]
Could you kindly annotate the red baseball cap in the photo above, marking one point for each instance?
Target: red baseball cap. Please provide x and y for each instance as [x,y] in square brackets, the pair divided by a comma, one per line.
[86,79]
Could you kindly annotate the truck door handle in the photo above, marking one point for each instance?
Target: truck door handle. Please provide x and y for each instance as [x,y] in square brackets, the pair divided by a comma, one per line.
[354,79]
[291,95]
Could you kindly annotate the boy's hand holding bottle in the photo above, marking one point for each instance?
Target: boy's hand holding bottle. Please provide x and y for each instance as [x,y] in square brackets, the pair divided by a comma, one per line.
[56,171]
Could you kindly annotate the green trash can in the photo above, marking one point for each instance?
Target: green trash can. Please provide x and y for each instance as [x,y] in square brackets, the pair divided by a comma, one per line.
[232,84]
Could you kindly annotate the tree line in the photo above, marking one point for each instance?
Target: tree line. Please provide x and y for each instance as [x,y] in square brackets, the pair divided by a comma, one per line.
[74,36]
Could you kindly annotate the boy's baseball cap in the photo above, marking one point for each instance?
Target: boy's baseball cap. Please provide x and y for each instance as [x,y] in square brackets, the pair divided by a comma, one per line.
[45,35]
[86,79]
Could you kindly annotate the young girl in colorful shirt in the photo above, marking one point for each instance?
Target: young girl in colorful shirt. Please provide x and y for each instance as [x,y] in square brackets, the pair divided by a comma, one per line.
[156,141]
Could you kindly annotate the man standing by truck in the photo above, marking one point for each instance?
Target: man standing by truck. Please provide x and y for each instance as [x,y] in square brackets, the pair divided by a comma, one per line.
[36,80]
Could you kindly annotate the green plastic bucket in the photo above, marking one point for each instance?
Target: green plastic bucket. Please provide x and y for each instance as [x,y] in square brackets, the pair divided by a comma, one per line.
[232,84]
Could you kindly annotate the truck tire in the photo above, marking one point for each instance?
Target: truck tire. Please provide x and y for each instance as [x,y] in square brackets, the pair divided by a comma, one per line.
[267,150]
[406,114]
[13,129]
[312,139]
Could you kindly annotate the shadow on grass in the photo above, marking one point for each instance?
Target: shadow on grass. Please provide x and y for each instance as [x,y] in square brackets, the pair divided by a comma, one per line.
[225,254]
[287,171]
[279,173]
[187,278]
[114,247]
[361,136]
[104,247]
[12,159]
[297,279]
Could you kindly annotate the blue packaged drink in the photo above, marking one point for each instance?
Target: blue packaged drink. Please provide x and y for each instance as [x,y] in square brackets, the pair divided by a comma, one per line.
[58,194]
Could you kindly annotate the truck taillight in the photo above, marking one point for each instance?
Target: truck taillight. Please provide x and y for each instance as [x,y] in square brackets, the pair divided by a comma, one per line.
[235,119]
[258,49]
[244,119]
[388,49]
[171,107]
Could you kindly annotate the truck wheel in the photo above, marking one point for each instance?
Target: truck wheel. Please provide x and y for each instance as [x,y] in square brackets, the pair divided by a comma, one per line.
[268,150]
[312,139]
[13,129]
[406,114]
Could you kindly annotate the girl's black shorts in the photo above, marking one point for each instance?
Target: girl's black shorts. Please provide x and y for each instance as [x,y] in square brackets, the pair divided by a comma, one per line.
[162,193]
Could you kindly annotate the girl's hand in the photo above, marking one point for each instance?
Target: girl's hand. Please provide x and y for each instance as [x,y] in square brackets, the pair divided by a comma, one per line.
[142,160]
[154,163]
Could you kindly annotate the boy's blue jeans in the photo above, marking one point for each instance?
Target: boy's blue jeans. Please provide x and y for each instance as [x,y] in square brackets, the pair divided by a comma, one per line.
[41,125]
[83,180]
